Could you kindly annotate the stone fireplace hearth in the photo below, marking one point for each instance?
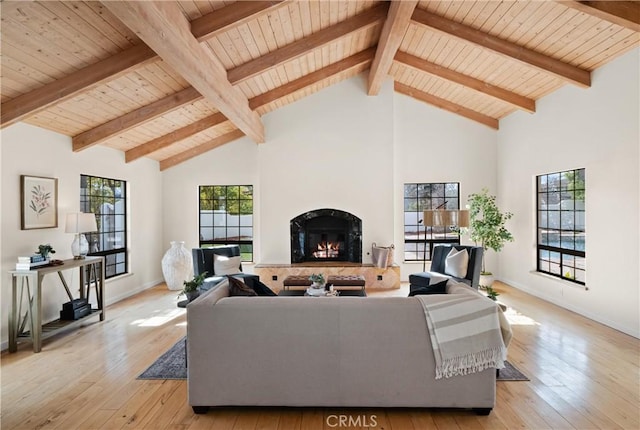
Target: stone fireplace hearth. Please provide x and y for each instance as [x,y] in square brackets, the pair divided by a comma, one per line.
[326,235]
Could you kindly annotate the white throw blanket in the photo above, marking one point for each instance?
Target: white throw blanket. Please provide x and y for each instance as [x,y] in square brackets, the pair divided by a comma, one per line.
[465,333]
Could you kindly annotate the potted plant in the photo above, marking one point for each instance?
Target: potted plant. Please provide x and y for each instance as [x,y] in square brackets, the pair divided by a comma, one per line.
[191,288]
[317,280]
[45,250]
[487,228]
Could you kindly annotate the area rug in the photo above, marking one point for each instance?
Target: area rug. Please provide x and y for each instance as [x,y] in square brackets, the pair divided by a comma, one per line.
[173,365]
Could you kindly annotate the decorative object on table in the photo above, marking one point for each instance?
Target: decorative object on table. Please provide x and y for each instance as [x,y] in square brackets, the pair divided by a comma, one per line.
[79,223]
[38,202]
[45,250]
[190,288]
[487,227]
[32,262]
[75,309]
[382,256]
[317,281]
[177,265]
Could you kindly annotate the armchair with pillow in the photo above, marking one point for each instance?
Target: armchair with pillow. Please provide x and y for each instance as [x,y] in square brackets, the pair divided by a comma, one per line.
[460,262]
[222,262]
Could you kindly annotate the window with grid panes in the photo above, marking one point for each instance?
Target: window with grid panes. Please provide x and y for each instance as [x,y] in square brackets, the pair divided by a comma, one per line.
[226,217]
[107,199]
[419,197]
[561,225]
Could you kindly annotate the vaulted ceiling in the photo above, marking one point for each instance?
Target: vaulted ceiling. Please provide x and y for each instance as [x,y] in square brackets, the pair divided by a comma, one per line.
[170,80]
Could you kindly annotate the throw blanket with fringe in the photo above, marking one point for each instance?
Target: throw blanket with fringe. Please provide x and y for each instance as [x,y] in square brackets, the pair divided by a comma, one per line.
[465,333]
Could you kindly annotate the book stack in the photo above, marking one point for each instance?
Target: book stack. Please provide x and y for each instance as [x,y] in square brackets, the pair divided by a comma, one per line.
[28,263]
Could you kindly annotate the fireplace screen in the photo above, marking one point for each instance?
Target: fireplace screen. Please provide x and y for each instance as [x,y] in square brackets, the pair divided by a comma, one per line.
[326,235]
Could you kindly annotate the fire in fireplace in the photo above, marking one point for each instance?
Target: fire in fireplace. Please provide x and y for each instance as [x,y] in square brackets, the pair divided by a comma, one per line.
[326,235]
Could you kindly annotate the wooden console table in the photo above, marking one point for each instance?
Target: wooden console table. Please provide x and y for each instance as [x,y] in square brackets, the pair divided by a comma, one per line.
[92,273]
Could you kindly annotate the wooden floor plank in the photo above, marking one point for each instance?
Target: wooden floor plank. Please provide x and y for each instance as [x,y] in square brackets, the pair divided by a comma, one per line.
[583,375]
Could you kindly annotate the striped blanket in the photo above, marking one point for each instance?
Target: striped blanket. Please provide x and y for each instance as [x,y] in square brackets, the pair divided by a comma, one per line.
[465,333]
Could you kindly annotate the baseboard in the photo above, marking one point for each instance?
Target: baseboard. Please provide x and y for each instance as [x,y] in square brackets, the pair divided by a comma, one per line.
[129,293]
[587,314]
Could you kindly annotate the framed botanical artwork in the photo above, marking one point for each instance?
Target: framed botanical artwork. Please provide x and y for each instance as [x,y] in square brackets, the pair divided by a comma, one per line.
[39,202]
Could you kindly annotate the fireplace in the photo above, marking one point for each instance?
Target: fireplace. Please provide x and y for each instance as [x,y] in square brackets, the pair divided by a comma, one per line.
[326,235]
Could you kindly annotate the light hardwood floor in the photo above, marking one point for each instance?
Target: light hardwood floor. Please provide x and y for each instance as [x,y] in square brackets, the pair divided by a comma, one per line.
[583,376]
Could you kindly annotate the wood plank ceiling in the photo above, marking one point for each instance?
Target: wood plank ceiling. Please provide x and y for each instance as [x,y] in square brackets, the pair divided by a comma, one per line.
[172,80]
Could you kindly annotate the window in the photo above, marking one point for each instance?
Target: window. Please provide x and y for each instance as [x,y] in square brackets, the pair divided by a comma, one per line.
[561,224]
[107,198]
[226,217]
[421,197]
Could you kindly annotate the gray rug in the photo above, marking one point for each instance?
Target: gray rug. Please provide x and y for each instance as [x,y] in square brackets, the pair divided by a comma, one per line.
[173,365]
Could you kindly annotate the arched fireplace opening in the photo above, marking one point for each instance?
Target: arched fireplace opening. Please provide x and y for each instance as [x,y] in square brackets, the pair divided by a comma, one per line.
[326,235]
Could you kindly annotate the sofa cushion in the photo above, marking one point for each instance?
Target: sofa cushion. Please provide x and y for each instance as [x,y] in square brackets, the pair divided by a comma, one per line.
[223,265]
[437,288]
[239,288]
[456,263]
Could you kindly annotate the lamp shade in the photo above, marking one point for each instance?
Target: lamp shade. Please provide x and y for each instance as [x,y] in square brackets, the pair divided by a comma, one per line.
[80,223]
[459,218]
[446,218]
[436,218]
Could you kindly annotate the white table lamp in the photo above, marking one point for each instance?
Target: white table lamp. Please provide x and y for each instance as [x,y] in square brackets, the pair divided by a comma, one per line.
[80,223]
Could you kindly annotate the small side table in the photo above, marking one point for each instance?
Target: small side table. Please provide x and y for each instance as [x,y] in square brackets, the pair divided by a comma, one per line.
[29,283]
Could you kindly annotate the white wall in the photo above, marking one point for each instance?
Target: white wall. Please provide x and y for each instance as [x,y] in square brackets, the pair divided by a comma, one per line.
[342,149]
[433,145]
[598,129]
[34,151]
[333,149]
[231,164]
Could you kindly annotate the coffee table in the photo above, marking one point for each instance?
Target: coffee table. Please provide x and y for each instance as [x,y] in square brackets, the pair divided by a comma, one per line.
[341,293]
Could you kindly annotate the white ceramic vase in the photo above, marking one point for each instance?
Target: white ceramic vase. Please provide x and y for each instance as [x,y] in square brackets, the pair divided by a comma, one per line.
[177,266]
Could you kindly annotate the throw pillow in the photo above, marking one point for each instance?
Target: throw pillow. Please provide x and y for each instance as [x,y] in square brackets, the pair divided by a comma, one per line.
[262,290]
[438,288]
[456,263]
[239,288]
[223,265]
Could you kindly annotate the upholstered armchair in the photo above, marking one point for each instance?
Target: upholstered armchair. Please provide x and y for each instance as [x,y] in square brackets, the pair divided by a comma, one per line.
[438,270]
[208,260]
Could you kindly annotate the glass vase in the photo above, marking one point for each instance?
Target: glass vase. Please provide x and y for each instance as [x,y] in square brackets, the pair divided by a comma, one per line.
[177,265]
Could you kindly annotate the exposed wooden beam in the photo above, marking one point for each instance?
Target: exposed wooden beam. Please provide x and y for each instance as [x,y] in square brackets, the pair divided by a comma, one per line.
[305,45]
[200,149]
[623,13]
[175,136]
[348,63]
[446,105]
[511,50]
[71,85]
[169,139]
[398,19]
[134,118]
[163,27]
[501,94]
[229,17]
[111,68]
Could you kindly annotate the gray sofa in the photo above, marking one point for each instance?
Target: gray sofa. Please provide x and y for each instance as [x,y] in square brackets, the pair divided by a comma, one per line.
[321,352]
